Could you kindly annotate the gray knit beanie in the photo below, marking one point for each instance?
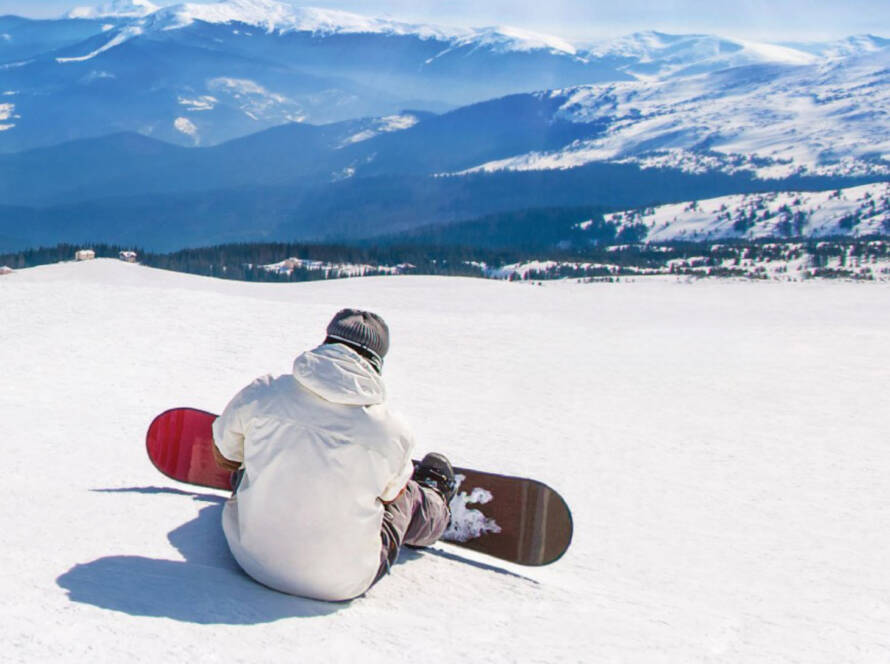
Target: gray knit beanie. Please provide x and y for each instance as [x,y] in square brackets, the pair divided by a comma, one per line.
[362,329]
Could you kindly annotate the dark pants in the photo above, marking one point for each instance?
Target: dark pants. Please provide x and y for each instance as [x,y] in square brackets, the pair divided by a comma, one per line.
[418,517]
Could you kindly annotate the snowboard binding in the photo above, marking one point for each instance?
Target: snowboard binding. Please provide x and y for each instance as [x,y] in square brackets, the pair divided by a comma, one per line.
[435,472]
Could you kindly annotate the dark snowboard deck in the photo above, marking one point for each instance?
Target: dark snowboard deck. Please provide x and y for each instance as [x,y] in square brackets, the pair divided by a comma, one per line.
[512,518]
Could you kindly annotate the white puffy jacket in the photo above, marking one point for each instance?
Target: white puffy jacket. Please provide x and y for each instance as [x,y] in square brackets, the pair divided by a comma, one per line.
[320,451]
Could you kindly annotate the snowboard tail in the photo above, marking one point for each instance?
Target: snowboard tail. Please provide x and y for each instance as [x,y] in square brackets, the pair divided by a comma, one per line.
[180,445]
[512,518]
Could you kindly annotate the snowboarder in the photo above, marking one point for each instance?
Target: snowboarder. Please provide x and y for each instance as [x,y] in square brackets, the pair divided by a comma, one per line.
[326,491]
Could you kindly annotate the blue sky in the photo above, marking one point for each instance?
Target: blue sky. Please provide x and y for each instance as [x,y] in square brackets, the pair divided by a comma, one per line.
[776,20]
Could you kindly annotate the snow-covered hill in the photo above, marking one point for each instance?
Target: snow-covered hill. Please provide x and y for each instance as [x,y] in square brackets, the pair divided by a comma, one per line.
[721,444]
[855,45]
[655,55]
[854,212]
[771,120]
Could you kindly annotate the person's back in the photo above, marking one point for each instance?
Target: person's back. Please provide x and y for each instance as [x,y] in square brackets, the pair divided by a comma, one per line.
[321,455]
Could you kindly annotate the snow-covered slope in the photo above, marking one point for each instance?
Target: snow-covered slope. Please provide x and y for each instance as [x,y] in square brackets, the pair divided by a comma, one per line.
[721,444]
[771,120]
[843,48]
[656,55]
[855,211]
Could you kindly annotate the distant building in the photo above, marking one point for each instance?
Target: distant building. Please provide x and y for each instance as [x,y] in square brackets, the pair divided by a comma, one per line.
[5,269]
[85,255]
[128,256]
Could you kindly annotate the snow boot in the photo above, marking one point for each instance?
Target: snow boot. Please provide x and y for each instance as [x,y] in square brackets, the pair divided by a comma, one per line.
[435,472]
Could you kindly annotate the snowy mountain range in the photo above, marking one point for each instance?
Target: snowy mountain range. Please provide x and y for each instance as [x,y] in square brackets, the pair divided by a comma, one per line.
[200,74]
[204,73]
[253,119]
[771,120]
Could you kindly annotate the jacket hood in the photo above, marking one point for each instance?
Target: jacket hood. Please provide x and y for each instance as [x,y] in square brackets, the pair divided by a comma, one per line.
[339,375]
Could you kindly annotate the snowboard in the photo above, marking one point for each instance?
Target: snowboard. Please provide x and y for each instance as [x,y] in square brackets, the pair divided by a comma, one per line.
[519,520]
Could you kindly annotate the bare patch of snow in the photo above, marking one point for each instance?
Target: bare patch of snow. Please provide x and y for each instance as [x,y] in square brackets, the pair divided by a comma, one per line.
[97,75]
[6,113]
[255,100]
[15,65]
[202,103]
[187,127]
[383,125]
[238,86]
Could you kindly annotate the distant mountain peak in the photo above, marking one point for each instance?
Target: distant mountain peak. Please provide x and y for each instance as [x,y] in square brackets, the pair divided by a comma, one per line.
[517,39]
[275,16]
[267,14]
[115,9]
[657,55]
[852,46]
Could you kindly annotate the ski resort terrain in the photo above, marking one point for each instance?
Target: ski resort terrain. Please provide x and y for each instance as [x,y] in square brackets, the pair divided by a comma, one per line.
[722,445]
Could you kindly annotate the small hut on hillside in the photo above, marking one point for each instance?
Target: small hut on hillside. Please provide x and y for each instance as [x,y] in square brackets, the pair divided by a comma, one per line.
[84,255]
[127,256]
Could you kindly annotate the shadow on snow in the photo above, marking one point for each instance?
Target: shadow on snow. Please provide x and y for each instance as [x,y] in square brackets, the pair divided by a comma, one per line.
[207,587]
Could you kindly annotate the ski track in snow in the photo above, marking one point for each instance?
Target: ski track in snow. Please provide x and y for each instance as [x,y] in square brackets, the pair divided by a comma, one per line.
[722,445]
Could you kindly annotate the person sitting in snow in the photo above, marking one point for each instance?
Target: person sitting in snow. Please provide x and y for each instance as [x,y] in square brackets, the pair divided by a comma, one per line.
[326,492]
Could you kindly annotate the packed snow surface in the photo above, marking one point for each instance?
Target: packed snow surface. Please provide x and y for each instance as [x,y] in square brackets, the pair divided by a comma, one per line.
[722,445]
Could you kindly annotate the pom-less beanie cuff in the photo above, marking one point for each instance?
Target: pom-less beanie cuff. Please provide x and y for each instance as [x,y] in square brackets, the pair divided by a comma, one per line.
[362,329]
